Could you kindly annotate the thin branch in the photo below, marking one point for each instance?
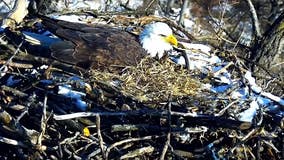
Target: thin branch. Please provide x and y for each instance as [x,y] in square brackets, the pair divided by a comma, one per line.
[127,141]
[221,112]
[43,121]
[138,152]
[12,142]
[11,58]
[101,141]
[149,6]
[125,113]
[167,143]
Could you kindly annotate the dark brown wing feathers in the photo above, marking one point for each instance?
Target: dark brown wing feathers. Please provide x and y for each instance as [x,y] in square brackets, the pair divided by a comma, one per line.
[98,47]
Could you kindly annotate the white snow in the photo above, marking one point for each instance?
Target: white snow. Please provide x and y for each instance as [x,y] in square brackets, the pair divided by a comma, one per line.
[70,18]
[74,95]
[12,81]
[39,39]
[248,115]
[252,83]
[203,48]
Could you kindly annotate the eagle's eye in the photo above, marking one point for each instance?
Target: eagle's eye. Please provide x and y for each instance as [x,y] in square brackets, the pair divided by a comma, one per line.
[162,35]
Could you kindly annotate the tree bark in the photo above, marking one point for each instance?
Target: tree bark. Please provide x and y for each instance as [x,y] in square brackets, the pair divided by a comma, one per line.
[268,55]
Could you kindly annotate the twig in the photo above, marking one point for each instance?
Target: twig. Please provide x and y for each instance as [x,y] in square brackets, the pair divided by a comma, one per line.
[184,114]
[10,59]
[167,143]
[273,97]
[14,91]
[222,69]
[22,115]
[224,109]
[71,154]
[98,124]
[43,121]
[127,141]
[138,152]
[94,153]
[69,139]
[12,142]
[271,145]
[149,6]
[180,28]
[93,114]
[143,127]
[18,65]
[245,138]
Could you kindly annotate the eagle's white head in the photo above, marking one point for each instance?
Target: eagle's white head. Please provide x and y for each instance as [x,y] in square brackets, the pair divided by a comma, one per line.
[156,38]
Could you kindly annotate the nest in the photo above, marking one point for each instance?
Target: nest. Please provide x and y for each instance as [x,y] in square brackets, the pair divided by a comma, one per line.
[121,119]
[152,81]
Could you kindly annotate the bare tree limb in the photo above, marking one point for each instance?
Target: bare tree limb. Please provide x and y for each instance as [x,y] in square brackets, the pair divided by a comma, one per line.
[182,12]
[256,25]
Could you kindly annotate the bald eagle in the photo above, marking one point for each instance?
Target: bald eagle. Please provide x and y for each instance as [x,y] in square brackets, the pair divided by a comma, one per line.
[106,48]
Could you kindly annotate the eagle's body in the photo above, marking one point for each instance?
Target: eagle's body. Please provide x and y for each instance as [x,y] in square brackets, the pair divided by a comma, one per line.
[100,47]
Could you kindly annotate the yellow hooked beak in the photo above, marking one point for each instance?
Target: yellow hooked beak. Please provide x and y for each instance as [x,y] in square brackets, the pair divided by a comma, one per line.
[172,40]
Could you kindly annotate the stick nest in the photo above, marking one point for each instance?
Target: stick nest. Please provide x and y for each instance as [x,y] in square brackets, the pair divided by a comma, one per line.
[151,81]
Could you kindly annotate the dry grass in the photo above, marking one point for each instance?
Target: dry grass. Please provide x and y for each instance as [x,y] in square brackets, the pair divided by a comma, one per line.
[152,81]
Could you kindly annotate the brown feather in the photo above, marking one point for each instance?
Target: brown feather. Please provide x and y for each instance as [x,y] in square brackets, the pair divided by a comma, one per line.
[96,47]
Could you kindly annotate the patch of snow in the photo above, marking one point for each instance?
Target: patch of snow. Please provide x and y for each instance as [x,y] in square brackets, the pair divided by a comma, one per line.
[2,40]
[248,115]
[273,97]
[188,23]
[74,95]
[225,79]
[34,71]
[43,67]
[12,81]
[83,4]
[207,86]
[223,6]
[66,91]
[133,4]
[263,101]
[214,59]
[241,93]
[46,81]
[252,83]
[220,89]
[203,48]
[69,18]
[82,105]
[176,10]
[39,39]
[258,89]
[3,71]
